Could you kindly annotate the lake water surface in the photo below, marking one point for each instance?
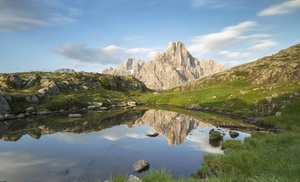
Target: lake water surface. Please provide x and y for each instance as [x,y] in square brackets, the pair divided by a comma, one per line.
[103,145]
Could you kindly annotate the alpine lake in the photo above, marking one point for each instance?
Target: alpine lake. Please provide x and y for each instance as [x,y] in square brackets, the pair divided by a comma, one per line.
[103,145]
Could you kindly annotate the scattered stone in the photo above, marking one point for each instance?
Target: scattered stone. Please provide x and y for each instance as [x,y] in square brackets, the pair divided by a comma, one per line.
[30,109]
[32,99]
[91,107]
[97,104]
[278,113]
[233,134]
[152,135]
[133,178]
[45,112]
[140,165]
[131,103]
[9,116]
[1,117]
[75,116]
[194,107]
[103,108]
[21,116]
[214,97]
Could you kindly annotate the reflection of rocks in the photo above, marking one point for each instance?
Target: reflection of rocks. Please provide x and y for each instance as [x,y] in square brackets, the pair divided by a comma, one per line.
[173,125]
[13,130]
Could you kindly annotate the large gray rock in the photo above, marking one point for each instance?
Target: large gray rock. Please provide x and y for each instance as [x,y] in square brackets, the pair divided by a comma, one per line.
[140,165]
[4,106]
[48,87]
[32,81]
[15,79]
[32,99]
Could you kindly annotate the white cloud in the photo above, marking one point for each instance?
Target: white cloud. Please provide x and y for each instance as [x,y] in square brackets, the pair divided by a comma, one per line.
[222,40]
[283,8]
[112,54]
[263,45]
[234,55]
[215,4]
[16,15]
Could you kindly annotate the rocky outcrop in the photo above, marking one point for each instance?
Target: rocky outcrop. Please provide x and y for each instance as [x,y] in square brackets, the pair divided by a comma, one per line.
[129,67]
[64,70]
[167,69]
[4,106]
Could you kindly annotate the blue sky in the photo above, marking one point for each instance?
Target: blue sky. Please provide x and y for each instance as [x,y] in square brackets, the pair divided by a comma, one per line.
[90,35]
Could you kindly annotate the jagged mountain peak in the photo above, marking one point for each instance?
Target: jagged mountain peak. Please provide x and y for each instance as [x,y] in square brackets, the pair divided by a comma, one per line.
[167,69]
[176,47]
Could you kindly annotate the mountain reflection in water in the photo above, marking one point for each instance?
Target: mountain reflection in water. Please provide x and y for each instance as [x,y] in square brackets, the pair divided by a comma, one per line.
[101,145]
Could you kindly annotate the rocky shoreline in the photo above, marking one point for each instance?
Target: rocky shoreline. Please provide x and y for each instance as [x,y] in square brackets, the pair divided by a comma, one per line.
[74,112]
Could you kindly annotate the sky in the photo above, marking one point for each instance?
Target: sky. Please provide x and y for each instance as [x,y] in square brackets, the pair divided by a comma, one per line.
[90,35]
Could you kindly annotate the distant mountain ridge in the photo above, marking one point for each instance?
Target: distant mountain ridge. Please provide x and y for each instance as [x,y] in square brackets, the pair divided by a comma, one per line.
[168,69]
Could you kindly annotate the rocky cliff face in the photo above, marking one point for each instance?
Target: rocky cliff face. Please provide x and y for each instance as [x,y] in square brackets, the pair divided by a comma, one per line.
[167,69]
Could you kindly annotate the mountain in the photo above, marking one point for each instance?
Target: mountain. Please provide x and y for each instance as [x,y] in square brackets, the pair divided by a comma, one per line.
[283,66]
[167,69]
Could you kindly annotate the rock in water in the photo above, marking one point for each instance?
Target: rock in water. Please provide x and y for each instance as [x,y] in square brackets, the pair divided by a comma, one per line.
[140,165]
[233,134]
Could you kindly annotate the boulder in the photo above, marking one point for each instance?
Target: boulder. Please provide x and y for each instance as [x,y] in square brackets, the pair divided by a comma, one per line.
[131,103]
[9,116]
[233,134]
[152,135]
[21,116]
[49,87]
[32,99]
[30,109]
[16,80]
[140,165]
[133,178]
[4,106]
[1,117]
[97,104]
[75,116]
[278,113]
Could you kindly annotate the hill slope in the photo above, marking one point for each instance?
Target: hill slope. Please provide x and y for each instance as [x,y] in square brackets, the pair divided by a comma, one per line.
[263,87]
[56,90]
